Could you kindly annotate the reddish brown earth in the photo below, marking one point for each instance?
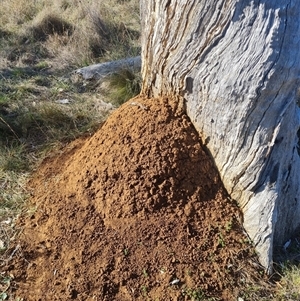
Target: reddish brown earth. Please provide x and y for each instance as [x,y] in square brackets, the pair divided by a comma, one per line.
[135,212]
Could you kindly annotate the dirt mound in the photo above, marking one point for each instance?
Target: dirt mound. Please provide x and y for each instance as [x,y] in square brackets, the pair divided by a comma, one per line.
[135,212]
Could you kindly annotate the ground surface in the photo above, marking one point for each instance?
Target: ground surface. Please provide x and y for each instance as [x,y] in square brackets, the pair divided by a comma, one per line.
[135,212]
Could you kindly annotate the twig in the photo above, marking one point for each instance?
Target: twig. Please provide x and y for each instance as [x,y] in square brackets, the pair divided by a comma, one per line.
[14,252]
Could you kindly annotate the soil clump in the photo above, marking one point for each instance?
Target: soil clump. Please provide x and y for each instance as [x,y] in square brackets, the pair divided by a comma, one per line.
[135,212]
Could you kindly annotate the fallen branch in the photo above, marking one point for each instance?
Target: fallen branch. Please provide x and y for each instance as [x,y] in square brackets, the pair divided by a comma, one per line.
[100,71]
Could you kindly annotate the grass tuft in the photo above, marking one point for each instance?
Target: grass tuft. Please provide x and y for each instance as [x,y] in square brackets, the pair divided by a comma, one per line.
[288,288]
[15,159]
[51,25]
[123,86]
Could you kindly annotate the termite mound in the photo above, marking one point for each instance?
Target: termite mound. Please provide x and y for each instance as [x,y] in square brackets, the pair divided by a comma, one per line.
[136,210]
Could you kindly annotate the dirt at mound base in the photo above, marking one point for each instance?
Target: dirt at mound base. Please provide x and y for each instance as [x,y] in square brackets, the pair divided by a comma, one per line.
[135,212]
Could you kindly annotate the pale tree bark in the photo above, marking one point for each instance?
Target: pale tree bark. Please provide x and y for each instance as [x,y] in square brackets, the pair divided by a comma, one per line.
[236,63]
[103,70]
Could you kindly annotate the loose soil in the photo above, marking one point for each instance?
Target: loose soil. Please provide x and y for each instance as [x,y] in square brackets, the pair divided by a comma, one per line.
[135,212]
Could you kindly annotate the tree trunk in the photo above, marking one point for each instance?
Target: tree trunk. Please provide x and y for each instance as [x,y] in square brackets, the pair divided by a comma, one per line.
[236,64]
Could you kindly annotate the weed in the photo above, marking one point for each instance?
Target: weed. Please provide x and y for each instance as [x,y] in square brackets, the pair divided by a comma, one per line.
[228,226]
[188,272]
[194,294]
[145,273]
[4,286]
[211,257]
[221,240]
[61,85]
[3,99]
[144,290]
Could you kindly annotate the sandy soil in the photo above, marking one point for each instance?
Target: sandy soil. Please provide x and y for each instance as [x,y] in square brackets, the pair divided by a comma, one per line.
[135,212]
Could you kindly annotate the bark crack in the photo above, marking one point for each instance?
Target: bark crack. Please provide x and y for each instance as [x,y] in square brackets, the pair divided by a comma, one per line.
[212,39]
[258,92]
[265,172]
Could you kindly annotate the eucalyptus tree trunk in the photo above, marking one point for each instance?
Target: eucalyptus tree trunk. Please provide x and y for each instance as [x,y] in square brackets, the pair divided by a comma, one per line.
[236,64]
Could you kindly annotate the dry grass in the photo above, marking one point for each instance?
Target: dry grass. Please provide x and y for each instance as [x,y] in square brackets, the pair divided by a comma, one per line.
[122,86]
[288,288]
[69,33]
[41,43]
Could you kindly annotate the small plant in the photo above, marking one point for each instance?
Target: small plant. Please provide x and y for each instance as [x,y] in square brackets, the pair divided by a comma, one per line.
[211,257]
[126,252]
[188,272]
[61,85]
[3,296]
[255,292]
[221,240]
[144,290]
[42,81]
[228,226]
[145,273]
[194,294]
[4,286]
